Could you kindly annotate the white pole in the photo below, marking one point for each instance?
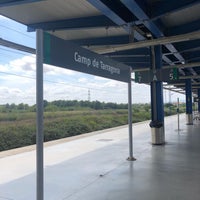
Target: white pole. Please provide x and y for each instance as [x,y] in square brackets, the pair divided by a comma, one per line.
[39,103]
[178,114]
[130,158]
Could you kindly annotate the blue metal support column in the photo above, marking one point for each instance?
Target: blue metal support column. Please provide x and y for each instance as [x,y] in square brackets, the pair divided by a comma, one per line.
[188,92]
[198,100]
[157,113]
[157,108]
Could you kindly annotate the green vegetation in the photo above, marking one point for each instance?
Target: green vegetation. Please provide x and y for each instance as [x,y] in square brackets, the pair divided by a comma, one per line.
[66,118]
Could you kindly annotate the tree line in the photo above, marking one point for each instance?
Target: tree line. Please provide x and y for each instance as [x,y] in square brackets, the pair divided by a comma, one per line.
[61,105]
[70,105]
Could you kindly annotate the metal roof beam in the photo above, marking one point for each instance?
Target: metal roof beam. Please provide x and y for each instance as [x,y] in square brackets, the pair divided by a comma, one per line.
[192,55]
[194,59]
[143,59]
[5,3]
[76,23]
[133,6]
[107,40]
[167,60]
[187,45]
[188,77]
[139,65]
[171,89]
[129,56]
[196,87]
[177,89]
[147,43]
[188,65]
[184,51]
[114,17]
[144,51]
[175,84]
[192,71]
[171,48]
[183,84]
[161,8]
[186,28]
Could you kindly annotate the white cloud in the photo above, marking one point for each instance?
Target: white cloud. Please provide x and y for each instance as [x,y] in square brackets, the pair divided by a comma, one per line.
[63,84]
[140,93]
[83,80]
[26,65]
[3,18]
[98,78]
[16,95]
[113,84]
[4,91]
[52,70]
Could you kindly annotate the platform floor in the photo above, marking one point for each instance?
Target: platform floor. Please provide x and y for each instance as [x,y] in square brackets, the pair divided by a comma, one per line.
[94,167]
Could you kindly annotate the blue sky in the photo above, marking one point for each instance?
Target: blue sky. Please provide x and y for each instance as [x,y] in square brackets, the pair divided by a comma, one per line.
[17,77]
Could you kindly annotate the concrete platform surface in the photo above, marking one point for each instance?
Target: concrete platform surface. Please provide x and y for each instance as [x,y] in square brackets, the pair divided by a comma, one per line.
[94,167]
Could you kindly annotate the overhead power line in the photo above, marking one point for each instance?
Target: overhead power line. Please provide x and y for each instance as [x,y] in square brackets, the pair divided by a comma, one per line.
[15,46]
[59,83]
[17,31]
[11,50]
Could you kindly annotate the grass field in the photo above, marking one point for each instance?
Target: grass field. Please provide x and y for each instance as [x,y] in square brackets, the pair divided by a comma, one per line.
[18,127]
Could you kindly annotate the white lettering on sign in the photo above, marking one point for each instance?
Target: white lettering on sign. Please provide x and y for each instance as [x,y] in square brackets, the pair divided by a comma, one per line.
[171,76]
[81,59]
[139,79]
[154,78]
[95,63]
[112,70]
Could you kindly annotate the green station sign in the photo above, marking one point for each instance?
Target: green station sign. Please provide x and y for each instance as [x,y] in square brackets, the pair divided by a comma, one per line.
[62,53]
[163,75]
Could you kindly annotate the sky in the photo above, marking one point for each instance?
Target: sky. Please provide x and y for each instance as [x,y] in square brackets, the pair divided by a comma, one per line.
[18,84]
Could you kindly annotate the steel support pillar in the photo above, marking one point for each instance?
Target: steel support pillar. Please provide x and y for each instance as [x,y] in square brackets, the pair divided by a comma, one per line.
[198,100]
[130,158]
[188,92]
[157,108]
[39,120]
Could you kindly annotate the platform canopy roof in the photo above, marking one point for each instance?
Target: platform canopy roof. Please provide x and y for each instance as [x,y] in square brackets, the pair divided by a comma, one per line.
[121,29]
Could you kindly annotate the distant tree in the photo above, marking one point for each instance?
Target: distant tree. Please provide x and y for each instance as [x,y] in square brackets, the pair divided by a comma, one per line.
[111,105]
[21,106]
[13,106]
[96,105]
[7,106]
[51,108]
[45,103]
[84,103]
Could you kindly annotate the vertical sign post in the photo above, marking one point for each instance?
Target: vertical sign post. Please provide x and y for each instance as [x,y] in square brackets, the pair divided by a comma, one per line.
[39,103]
[130,158]
[178,114]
